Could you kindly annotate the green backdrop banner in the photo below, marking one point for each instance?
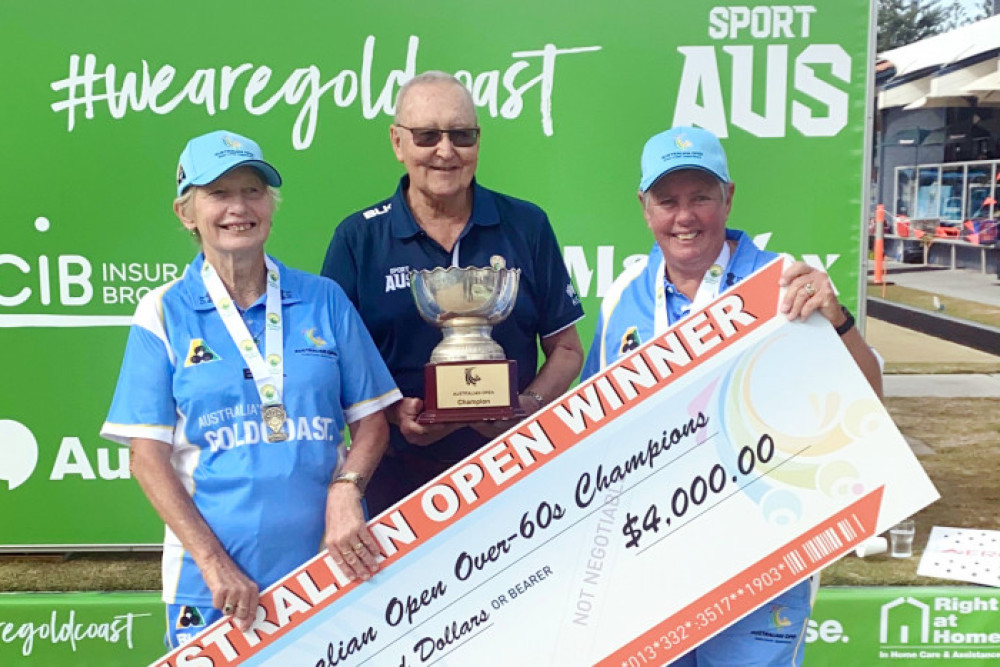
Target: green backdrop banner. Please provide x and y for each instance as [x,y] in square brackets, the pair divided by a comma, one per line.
[100,99]
[904,626]
[81,629]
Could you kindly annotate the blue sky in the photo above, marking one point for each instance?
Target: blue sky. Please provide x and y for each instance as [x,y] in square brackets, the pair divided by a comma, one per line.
[971,6]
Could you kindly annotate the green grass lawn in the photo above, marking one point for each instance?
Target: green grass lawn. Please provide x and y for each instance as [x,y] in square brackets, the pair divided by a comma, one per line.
[80,572]
[964,434]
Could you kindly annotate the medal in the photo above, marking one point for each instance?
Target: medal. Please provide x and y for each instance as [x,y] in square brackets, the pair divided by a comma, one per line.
[711,284]
[267,369]
[274,419]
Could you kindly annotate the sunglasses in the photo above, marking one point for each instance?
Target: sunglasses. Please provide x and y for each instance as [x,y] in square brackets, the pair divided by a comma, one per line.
[425,137]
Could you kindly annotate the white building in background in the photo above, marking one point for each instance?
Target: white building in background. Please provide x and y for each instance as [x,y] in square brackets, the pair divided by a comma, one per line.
[937,153]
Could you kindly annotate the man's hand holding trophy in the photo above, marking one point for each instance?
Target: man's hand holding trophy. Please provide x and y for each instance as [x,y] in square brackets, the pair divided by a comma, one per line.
[468,378]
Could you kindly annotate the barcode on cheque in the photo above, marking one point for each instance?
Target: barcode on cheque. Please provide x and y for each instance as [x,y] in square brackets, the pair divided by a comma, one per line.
[821,546]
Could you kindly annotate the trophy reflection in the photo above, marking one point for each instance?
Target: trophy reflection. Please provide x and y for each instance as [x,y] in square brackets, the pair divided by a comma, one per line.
[468,378]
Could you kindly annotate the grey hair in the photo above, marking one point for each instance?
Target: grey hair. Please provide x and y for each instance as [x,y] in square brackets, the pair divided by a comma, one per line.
[426,78]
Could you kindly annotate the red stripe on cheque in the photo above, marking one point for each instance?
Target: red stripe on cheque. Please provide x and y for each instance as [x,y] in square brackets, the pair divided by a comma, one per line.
[737,313]
[770,576]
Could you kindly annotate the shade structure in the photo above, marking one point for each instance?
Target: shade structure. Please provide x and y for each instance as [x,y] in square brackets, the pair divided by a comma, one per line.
[986,88]
[948,70]
[904,93]
[945,49]
[947,85]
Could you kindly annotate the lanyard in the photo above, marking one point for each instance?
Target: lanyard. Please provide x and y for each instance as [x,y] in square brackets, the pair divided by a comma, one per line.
[267,370]
[707,290]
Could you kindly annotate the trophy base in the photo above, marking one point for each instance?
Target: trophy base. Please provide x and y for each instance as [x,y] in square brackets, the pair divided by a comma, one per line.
[470,391]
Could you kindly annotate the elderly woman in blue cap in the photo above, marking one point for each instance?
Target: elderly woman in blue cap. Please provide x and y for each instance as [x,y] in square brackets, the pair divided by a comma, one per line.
[686,196]
[237,382]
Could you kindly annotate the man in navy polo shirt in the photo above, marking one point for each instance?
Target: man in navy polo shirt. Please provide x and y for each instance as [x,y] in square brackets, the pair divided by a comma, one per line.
[439,216]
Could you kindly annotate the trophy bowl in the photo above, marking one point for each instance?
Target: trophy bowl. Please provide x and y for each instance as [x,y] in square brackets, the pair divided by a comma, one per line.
[467,377]
[465,303]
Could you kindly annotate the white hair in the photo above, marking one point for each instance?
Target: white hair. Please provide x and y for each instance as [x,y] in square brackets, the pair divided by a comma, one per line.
[428,78]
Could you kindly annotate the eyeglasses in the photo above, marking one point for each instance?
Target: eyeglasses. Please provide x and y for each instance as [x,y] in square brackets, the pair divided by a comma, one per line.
[425,137]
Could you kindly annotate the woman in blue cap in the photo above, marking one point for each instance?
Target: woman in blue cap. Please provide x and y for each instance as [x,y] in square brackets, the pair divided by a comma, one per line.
[237,382]
[686,196]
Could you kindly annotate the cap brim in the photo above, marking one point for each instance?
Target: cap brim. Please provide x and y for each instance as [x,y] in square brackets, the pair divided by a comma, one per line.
[644,185]
[270,174]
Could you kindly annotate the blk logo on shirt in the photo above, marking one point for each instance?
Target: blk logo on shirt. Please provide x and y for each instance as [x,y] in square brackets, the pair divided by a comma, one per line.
[377,211]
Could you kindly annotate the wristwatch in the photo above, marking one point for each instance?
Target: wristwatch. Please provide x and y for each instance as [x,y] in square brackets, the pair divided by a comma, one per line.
[848,323]
[355,478]
[535,396]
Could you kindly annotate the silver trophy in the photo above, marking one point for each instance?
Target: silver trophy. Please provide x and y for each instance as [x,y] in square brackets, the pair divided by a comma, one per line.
[468,377]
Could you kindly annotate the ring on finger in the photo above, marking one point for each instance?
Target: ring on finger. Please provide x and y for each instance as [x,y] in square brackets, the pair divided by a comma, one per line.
[809,289]
[227,609]
[359,547]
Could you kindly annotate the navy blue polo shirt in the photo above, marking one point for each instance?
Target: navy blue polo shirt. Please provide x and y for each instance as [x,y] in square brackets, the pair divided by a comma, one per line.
[373,250]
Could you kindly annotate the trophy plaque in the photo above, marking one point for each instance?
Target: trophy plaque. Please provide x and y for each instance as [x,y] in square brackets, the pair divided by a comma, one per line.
[468,378]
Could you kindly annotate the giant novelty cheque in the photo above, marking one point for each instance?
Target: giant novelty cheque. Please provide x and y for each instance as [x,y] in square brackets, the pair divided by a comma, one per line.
[644,511]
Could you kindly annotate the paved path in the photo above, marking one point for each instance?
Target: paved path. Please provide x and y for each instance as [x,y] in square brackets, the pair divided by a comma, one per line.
[901,345]
[942,386]
[956,283]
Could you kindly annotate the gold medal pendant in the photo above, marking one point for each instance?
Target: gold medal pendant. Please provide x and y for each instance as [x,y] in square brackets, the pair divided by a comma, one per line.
[274,419]
[267,368]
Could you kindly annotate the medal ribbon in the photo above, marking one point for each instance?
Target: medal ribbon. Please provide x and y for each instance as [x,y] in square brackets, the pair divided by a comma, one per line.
[707,290]
[267,370]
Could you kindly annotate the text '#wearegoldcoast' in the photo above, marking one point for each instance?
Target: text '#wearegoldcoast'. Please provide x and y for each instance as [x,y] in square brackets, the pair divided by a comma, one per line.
[213,88]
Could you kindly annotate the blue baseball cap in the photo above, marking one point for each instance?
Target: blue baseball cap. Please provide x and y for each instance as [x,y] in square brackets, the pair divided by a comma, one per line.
[682,148]
[211,155]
